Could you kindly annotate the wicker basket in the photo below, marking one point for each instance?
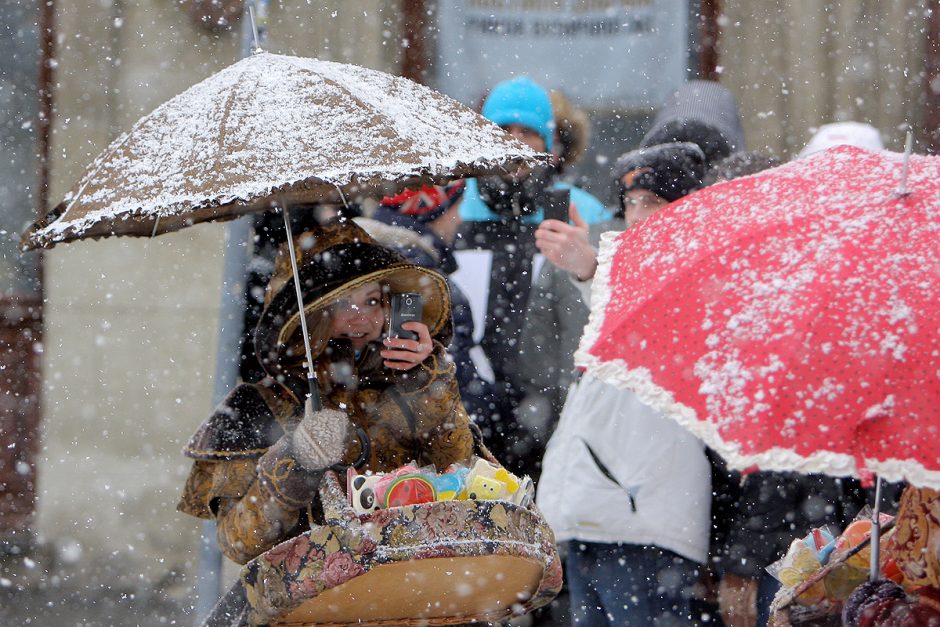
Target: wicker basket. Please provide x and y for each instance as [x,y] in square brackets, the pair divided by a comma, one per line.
[441,563]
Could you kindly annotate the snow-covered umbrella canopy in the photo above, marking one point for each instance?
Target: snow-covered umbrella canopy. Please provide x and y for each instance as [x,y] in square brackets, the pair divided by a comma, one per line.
[274,129]
[791,319]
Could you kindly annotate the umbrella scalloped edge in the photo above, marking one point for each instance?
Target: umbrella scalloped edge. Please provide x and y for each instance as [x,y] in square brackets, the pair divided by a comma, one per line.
[640,381]
[50,231]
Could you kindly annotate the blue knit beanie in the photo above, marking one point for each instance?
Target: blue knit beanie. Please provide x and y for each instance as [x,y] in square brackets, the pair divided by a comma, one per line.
[521,101]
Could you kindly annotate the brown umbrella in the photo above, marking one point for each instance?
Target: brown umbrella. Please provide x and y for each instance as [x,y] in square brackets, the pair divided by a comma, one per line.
[274,129]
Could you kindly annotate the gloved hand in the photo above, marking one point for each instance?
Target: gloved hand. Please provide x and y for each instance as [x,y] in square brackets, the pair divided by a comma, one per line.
[319,441]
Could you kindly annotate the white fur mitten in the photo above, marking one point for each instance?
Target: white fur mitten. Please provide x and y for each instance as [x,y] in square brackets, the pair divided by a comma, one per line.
[319,441]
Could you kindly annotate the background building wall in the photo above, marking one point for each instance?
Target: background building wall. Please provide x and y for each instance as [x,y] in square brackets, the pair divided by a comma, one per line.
[132,323]
[797,65]
[20,289]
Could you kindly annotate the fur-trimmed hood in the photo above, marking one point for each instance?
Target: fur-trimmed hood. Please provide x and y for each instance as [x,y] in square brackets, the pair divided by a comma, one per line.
[332,261]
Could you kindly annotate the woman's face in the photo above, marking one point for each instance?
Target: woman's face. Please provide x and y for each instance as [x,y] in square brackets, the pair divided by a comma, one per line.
[360,316]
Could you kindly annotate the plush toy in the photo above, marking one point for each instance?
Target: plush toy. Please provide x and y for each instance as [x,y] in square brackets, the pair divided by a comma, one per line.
[487,481]
[361,490]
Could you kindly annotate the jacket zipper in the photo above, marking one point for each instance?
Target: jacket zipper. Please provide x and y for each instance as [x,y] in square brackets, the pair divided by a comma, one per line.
[606,472]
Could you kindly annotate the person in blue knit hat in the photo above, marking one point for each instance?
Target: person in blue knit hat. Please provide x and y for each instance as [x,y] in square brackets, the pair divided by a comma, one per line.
[524,104]
[500,215]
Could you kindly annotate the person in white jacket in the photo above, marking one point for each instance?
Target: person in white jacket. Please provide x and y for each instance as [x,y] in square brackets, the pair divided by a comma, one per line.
[628,489]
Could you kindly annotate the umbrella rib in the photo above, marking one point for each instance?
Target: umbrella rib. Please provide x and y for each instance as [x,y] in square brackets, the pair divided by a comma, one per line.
[226,113]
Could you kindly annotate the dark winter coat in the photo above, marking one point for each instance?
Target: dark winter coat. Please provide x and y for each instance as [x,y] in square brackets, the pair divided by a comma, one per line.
[511,239]
[244,474]
[773,509]
[421,246]
[554,322]
[512,243]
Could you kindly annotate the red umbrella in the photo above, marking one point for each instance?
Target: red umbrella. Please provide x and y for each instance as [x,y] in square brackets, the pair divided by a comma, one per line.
[790,319]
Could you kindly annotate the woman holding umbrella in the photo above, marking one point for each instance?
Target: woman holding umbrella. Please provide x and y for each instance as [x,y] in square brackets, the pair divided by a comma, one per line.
[259,458]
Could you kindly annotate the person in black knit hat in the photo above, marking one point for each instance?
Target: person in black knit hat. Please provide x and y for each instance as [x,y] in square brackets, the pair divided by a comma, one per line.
[668,170]
[636,529]
[702,112]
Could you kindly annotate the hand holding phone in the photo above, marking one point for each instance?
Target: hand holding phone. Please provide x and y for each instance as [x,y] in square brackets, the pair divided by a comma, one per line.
[556,204]
[406,307]
[406,348]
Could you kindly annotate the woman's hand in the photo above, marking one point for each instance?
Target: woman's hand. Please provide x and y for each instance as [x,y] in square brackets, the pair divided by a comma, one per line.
[567,245]
[402,354]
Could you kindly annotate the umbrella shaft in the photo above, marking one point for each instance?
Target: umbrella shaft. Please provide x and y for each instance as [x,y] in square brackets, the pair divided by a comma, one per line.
[876,532]
[311,375]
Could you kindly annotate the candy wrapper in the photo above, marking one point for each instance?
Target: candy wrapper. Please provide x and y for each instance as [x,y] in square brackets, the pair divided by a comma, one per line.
[845,571]
[855,569]
[804,558]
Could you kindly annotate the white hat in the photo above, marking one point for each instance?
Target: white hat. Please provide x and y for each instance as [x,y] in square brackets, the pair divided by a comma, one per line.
[856,134]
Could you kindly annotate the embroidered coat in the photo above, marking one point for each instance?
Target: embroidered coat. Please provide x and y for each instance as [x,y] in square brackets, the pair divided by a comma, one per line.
[244,474]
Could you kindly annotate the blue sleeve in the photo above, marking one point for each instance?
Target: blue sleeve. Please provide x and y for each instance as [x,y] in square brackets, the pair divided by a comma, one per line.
[591,209]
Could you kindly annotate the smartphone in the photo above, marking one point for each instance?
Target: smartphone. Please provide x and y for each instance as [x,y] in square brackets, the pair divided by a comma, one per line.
[556,206]
[406,307]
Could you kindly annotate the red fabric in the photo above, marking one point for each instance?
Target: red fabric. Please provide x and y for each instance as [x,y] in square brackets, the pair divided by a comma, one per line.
[797,309]
[430,199]
[899,613]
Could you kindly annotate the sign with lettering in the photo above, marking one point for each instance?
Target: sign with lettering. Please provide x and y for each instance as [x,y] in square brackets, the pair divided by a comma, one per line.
[601,53]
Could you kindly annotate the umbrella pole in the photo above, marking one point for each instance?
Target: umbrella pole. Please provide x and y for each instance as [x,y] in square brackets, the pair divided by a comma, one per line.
[908,148]
[875,532]
[314,394]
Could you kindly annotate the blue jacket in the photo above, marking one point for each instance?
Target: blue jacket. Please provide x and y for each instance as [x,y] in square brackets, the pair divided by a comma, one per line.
[473,209]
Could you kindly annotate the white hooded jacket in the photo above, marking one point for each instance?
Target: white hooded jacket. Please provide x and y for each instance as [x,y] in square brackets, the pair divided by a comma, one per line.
[617,471]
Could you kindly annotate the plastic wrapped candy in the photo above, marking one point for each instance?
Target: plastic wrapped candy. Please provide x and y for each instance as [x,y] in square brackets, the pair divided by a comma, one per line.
[856,568]
[804,558]
[451,485]
[487,482]
[800,563]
